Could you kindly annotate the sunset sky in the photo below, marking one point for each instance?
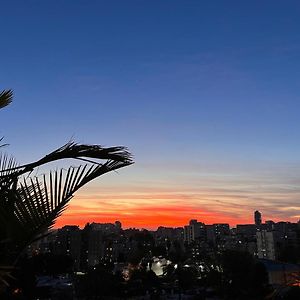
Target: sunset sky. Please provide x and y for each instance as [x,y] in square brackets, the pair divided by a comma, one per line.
[205,94]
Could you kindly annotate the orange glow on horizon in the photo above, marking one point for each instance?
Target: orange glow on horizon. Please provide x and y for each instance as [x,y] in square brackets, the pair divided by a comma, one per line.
[140,222]
[175,206]
[149,222]
[146,217]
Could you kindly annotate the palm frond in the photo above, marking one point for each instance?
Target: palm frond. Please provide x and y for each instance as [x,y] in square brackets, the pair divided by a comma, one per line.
[5,97]
[80,152]
[8,182]
[8,166]
[31,206]
[5,274]
[2,144]
[40,203]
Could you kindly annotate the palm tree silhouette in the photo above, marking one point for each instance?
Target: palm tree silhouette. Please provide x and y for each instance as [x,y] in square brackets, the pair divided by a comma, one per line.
[30,204]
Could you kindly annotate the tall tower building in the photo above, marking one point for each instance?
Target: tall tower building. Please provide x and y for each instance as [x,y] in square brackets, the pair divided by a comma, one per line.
[257,218]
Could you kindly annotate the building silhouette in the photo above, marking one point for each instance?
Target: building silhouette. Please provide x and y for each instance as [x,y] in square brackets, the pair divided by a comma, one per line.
[266,241]
[195,230]
[108,243]
[257,218]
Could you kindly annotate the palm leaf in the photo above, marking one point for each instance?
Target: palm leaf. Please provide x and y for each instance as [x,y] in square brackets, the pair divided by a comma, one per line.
[2,144]
[5,98]
[31,206]
[7,167]
[80,152]
[7,186]
[40,203]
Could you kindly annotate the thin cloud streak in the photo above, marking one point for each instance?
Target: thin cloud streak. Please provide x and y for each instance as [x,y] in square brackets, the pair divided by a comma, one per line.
[176,207]
[227,192]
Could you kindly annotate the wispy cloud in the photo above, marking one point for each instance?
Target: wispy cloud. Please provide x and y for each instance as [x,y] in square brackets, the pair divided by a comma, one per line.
[157,195]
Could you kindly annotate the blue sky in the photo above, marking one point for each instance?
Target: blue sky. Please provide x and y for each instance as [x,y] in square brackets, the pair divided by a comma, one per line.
[181,83]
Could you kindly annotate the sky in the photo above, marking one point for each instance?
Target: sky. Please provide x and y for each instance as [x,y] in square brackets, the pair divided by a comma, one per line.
[205,94]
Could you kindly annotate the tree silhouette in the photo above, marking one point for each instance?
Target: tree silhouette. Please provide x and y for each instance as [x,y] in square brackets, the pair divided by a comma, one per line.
[30,205]
[243,277]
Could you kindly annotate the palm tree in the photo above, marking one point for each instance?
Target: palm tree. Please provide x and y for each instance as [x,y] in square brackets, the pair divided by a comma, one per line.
[30,204]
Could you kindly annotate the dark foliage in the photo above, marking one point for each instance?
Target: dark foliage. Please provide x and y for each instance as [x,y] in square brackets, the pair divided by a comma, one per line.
[30,204]
[243,277]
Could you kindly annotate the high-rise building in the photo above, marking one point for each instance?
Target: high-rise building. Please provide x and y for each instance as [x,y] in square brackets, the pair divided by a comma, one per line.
[257,218]
[194,231]
[68,242]
[266,242]
[270,225]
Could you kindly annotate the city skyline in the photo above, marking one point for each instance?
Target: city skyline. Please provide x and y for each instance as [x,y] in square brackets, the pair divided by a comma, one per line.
[252,222]
[204,95]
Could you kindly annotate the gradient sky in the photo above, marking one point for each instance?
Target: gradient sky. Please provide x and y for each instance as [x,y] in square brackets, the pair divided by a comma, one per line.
[204,93]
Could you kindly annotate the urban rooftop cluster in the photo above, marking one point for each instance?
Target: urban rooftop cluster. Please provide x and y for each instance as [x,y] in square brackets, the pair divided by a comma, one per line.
[108,241]
[197,248]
